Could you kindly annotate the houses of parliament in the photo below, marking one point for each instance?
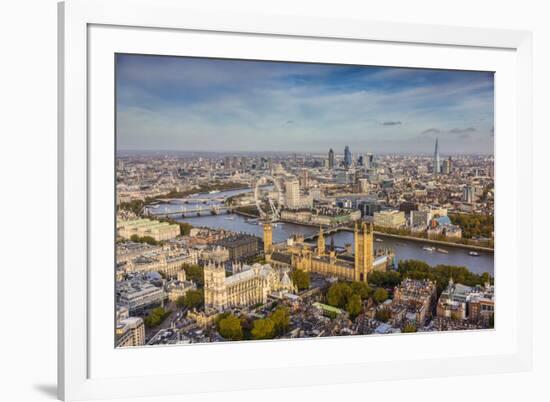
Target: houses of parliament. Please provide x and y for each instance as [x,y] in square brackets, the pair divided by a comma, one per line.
[249,285]
[356,266]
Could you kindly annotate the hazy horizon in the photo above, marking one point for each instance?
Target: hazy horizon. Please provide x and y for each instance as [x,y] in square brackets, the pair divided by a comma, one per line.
[183,104]
[261,152]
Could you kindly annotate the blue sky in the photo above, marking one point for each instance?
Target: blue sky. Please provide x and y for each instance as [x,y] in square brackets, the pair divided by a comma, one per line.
[197,104]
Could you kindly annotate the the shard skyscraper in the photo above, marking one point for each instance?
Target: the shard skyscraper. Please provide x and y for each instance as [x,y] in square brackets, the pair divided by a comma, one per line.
[437,164]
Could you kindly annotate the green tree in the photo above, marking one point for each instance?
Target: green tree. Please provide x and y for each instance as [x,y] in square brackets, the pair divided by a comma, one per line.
[300,279]
[281,320]
[388,279]
[194,273]
[413,265]
[149,240]
[263,329]
[361,289]
[473,225]
[220,317]
[338,294]
[194,298]
[180,301]
[382,315]
[134,206]
[415,269]
[230,328]
[354,306]
[185,228]
[409,327]
[145,239]
[247,323]
[380,295]
[156,317]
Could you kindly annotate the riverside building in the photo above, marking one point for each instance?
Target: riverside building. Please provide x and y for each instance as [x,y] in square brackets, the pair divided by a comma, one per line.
[147,227]
[304,256]
[390,219]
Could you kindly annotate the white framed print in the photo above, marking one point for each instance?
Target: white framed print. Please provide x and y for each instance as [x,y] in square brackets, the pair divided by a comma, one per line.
[259,201]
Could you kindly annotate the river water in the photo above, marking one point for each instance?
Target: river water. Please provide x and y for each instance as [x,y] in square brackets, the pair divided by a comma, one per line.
[403,249]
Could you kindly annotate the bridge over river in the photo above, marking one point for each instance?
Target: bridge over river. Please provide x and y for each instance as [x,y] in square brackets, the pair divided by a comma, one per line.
[184,210]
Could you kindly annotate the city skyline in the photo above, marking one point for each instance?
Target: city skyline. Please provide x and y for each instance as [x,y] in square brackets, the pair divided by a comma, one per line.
[276,200]
[186,104]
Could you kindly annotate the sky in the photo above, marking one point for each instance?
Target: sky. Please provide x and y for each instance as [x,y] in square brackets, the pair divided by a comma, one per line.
[199,104]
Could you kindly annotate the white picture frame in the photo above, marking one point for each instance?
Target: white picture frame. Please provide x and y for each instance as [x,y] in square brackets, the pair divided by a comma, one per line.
[90,31]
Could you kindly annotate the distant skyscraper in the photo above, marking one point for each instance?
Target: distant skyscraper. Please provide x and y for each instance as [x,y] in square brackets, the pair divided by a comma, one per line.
[369,162]
[437,165]
[360,160]
[363,185]
[347,157]
[447,166]
[304,178]
[468,194]
[292,190]
[331,159]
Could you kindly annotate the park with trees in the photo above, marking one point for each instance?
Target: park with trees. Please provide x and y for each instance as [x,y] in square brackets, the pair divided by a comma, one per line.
[231,327]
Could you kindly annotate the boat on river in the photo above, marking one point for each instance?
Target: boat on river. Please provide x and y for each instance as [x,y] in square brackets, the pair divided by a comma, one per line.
[473,253]
[428,248]
[442,251]
[378,240]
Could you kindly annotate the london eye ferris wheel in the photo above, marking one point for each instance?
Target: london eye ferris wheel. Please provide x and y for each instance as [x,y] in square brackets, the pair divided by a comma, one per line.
[269,198]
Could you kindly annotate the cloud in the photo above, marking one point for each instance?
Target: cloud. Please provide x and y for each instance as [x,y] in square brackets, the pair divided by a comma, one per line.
[463,133]
[193,103]
[462,130]
[431,131]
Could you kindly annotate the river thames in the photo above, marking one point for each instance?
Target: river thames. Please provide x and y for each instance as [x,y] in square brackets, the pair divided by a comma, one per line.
[404,249]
